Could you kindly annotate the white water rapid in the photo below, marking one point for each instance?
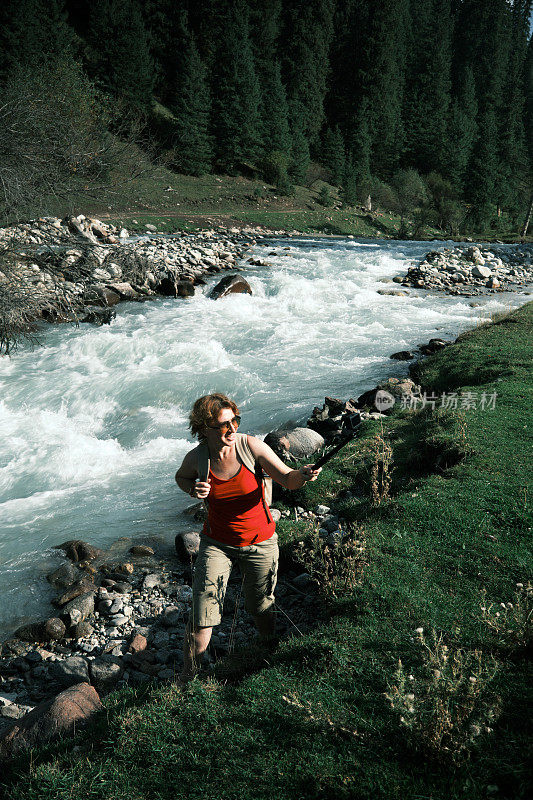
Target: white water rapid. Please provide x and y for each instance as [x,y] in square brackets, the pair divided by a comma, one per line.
[93,424]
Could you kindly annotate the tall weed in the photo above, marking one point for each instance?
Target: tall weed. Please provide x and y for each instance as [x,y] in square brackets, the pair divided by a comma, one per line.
[448,706]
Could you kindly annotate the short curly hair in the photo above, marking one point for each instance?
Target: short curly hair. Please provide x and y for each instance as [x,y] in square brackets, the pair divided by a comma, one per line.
[205,412]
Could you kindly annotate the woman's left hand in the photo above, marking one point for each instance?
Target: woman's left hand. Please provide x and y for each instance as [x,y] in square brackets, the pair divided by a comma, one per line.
[309,473]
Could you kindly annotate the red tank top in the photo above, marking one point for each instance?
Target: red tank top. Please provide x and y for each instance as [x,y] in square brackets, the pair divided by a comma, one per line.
[237,514]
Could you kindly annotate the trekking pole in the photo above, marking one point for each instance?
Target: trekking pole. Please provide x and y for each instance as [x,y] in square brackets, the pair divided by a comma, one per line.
[350,425]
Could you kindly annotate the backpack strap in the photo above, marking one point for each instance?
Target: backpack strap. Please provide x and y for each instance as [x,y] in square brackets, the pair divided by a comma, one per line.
[264,481]
[244,452]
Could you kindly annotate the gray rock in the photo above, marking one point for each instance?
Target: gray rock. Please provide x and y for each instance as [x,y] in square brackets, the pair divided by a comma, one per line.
[141,550]
[11,712]
[64,576]
[172,616]
[166,674]
[78,609]
[70,671]
[33,657]
[151,581]
[78,550]
[104,673]
[330,523]
[298,442]
[187,545]
[100,316]
[116,606]
[45,631]
[481,272]
[118,619]
[124,290]
[160,639]
[82,630]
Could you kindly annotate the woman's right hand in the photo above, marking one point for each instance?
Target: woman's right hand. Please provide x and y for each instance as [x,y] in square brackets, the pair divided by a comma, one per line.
[201,489]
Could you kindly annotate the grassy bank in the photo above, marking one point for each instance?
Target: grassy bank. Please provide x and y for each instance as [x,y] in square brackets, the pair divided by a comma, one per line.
[183,202]
[440,511]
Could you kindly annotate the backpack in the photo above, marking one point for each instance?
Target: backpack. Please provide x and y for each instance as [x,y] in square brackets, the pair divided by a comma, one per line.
[247,457]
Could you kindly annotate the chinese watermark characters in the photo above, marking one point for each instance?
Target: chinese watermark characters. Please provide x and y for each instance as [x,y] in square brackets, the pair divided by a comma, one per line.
[458,401]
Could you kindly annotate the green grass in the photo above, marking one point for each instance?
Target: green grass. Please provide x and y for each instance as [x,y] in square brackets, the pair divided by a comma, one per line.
[311,719]
[183,202]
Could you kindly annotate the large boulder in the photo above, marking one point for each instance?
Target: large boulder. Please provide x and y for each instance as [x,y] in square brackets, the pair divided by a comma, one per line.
[100,316]
[170,287]
[124,290]
[44,631]
[230,284]
[105,672]
[395,388]
[59,716]
[64,576]
[333,417]
[70,670]
[81,587]
[78,609]
[78,550]
[298,442]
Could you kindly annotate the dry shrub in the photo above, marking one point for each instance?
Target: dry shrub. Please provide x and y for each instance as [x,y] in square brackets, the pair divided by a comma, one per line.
[337,568]
[449,705]
[380,471]
[511,622]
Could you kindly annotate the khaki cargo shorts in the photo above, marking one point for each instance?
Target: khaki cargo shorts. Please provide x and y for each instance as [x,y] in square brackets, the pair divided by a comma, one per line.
[259,567]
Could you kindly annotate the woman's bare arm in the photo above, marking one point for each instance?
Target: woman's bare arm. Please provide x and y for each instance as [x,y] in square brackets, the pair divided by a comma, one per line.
[187,476]
[278,471]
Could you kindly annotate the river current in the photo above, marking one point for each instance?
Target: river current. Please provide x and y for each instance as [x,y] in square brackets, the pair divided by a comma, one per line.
[93,424]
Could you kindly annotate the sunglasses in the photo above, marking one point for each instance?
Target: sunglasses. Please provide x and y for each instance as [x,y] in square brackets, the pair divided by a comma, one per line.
[225,427]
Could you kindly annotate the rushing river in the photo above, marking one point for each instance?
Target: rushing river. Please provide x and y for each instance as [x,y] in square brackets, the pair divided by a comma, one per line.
[94,424]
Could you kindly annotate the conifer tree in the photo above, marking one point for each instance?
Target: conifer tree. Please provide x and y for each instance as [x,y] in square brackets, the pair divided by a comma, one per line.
[333,153]
[190,104]
[383,79]
[121,60]
[274,109]
[462,129]
[300,156]
[489,59]
[162,20]
[361,144]
[349,182]
[33,32]
[528,123]
[236,116]
[429,84]
[308,31]
[513,157]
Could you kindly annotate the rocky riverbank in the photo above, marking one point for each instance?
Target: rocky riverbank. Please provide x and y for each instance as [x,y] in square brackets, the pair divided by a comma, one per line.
[473,270]
[119,622]
[78,268]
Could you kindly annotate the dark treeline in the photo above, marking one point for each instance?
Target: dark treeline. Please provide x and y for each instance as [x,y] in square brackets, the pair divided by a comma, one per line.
[404,100]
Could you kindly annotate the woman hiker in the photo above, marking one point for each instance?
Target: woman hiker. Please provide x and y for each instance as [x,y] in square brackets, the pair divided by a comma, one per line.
[226,471]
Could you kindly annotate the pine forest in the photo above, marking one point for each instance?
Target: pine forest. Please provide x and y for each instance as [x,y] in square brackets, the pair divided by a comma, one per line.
[423,104]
